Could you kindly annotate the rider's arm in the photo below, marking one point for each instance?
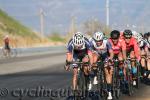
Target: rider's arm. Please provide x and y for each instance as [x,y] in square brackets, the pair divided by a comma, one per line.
[89,46]
[90,56]
[123,47]
[110,50]
[146,50]
[136,50]
[69,54]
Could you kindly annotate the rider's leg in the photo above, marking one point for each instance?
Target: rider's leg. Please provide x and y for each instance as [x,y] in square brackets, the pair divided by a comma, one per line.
[95,59]
[69,58]
[148,60]
[134,68]
[121,64]
[108,74]
[132,56]
[120,57]
[143,61]
[148,67]
[74,81]
[147,50]
[86,60]
[87,71]
[148,64]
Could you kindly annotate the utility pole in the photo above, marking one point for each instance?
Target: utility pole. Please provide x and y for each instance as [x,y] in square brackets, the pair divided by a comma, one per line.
[92,25]
[42,21]
[107,13]
[72,28]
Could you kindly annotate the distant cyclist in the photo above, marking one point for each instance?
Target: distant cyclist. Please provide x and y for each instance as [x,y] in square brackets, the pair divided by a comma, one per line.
[103,49]
[6,41]
[78,48]
[132,49]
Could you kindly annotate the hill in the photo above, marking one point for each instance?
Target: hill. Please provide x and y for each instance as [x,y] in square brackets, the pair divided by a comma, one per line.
[19,34]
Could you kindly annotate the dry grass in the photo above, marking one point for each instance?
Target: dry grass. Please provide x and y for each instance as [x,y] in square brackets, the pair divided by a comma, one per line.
[18,41]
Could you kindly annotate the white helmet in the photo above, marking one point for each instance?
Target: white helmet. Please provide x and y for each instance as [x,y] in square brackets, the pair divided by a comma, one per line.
[139,38]
[98,36]
[78,39]
[136,34]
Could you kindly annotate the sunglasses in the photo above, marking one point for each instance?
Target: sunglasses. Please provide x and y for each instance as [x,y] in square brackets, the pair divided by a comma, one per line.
[114,38]
[128,36]
[98,40]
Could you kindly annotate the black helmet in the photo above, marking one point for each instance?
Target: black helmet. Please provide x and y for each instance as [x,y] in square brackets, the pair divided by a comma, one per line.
[127,33]
[145,35]
[115,34]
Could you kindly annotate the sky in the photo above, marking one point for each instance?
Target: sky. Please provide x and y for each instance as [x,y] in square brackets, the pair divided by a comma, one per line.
[58,13]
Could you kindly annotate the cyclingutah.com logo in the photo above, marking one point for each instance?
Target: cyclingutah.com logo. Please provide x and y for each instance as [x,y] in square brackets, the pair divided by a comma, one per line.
[39,91]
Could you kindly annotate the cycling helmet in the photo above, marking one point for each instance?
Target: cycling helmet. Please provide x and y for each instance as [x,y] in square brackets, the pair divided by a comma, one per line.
[115,34]
[127,33]
[146,36]
[78,39]
[98,36]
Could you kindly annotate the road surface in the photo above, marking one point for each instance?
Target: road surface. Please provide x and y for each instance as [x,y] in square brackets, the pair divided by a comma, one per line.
[42,77]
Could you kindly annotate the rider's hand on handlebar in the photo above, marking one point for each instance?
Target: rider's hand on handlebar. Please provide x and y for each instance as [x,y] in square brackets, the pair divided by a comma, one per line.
[90,67]
[67,67]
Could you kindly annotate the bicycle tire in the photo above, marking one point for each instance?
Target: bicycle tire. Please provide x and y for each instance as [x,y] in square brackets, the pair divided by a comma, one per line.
[13,53]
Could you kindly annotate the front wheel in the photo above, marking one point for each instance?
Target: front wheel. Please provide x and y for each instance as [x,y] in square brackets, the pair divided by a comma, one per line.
[13,53]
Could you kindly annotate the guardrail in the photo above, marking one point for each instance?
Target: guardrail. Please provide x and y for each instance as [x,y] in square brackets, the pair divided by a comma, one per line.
[39,50]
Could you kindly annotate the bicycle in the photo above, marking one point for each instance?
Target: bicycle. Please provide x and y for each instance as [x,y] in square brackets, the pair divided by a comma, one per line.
[138,75]
[101,86]
[82,81]
[4,53]
[129,77]
[116,79]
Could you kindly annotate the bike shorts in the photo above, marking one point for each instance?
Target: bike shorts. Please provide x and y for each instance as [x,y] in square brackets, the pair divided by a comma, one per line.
[102,56]
[7,47]
[78,58]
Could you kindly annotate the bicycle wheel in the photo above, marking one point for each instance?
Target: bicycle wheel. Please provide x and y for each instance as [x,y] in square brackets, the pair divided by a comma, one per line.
[81,87]
[13,53]
[3,53]
[118,85]
[130,83]
[138,76]
[104,85]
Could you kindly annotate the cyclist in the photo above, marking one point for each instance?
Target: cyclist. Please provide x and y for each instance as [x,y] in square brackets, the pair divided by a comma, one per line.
[119,49]
[136,35]
[103,49]
[132,50]
[6,43]
[147,49]
[78,48]
[143,48]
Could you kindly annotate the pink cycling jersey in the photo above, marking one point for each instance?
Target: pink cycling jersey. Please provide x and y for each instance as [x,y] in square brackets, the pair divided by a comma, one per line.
[133,45]
[118,47]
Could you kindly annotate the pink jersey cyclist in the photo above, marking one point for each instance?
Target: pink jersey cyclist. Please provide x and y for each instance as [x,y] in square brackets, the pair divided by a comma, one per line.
[132,45]
[117,48]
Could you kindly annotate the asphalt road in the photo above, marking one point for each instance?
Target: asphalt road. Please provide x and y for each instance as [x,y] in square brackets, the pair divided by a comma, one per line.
[42,77]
